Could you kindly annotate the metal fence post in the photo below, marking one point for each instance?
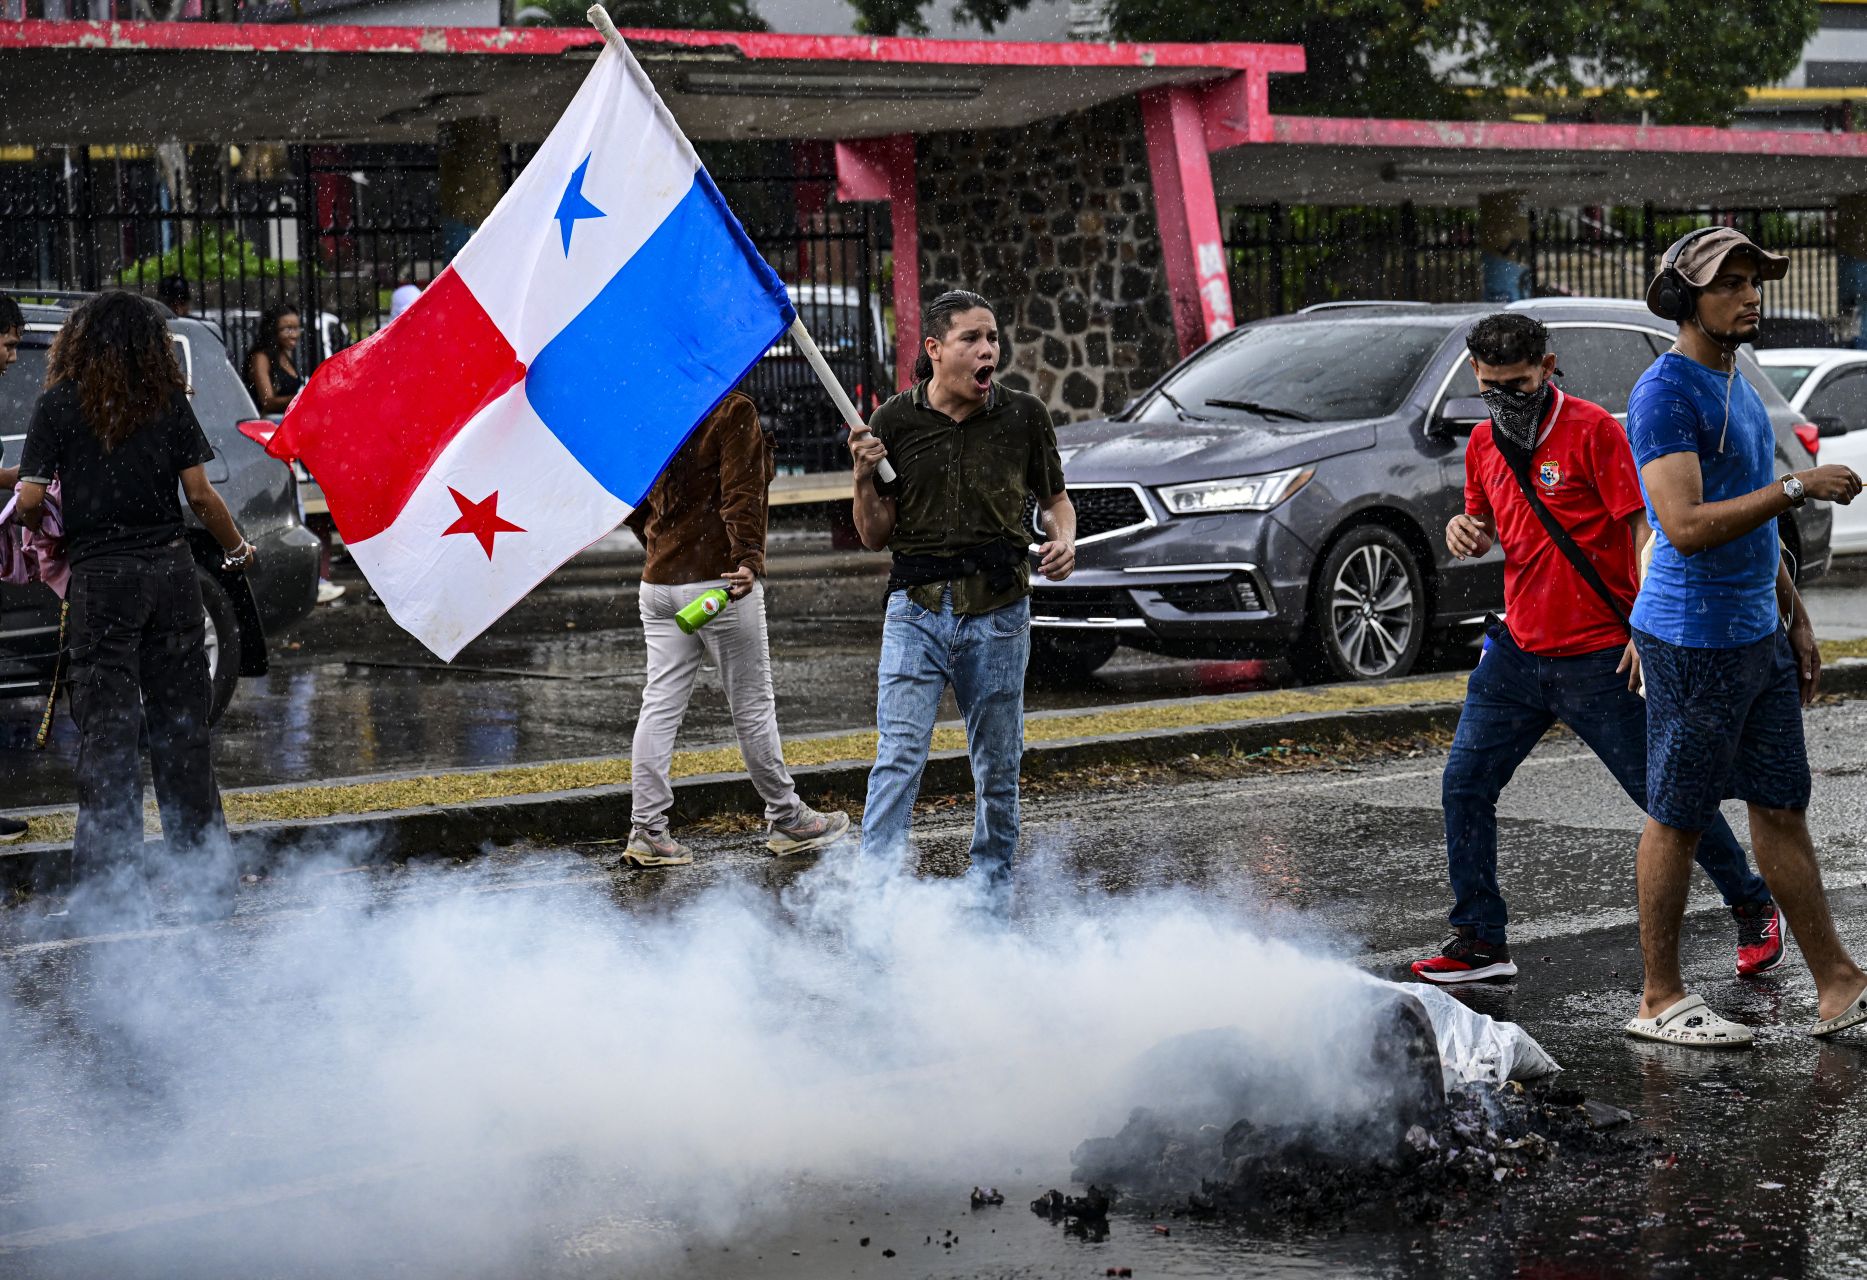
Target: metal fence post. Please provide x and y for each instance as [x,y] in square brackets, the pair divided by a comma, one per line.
[87,224]
[1279,299]
[1649,241]
[1410,251]
[308,240]
[1534,250]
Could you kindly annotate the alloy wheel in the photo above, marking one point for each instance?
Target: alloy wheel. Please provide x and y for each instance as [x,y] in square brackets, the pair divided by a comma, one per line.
[1371,610]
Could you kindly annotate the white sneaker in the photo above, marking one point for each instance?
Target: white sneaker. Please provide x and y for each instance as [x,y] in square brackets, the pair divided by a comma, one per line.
[655,849]
[328,591]
[810,830]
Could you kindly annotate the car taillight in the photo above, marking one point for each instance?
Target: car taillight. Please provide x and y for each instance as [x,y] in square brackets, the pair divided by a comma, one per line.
[259,430]
[1811,437]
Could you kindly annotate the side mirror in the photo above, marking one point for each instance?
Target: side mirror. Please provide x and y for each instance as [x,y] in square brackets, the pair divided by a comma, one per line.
[1457,417]
[1829,425]
[258,430]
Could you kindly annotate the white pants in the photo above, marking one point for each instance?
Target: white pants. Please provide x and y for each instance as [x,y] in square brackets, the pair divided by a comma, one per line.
[736,642]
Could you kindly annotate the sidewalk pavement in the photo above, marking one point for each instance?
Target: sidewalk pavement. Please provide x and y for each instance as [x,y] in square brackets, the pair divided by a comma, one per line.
[457,812]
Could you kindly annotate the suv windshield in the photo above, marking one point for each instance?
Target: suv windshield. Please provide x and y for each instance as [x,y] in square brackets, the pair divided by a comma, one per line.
[1333,370]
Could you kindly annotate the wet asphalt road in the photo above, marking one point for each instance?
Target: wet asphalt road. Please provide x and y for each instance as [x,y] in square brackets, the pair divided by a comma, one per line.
[1759,1161]
[560,678]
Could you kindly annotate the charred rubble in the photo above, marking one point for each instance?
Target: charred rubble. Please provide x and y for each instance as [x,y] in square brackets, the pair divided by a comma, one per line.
[1416,1151]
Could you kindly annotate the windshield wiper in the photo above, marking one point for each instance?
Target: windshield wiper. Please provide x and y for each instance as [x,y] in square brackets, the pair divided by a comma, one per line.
[1180,408]
[1262,410]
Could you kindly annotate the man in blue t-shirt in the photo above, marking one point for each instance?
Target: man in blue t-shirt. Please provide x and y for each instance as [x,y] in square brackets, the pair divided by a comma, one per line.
[1725,681]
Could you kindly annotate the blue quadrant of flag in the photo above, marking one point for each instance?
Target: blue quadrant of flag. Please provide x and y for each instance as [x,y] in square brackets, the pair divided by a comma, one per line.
[629,378]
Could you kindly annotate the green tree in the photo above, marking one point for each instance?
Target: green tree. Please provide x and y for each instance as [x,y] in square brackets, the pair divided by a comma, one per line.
[1448,58]
[1682,65]
[907,17]
[676,15]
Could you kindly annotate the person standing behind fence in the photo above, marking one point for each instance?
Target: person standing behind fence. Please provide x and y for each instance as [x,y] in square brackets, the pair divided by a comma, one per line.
[406,290]
[115,427]
[271,372]
[704,527]
[271,366]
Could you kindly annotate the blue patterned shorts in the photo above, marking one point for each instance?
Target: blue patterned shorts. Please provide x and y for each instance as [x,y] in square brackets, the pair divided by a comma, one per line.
[1722,724]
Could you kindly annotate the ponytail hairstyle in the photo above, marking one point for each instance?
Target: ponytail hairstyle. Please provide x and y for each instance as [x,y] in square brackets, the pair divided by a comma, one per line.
[937,320]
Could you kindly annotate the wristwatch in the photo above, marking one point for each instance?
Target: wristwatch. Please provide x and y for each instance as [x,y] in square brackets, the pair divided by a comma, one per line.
[1793,487]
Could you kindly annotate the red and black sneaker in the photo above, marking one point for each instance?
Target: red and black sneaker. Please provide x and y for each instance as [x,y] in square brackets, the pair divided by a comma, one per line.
[1466,958]
[1759,938]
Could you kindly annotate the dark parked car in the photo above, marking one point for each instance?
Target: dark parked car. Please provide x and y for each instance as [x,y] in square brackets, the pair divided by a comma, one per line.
[258,489]
[1284,491]
[848,329]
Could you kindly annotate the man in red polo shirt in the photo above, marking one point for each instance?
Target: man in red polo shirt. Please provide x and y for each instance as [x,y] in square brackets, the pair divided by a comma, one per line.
[1566,653]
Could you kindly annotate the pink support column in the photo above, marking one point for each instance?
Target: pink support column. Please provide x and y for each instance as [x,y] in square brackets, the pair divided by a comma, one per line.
[1188,214]
[885,169]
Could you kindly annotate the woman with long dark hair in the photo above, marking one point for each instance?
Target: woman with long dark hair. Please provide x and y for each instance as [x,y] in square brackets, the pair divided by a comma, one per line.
[115,428]
[271,373]
[272,365]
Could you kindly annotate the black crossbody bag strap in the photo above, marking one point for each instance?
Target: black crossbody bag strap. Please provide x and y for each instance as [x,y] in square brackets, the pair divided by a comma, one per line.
[1564,543]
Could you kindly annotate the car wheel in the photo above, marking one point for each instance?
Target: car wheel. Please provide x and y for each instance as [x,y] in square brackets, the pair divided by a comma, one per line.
[1069,659]
[223,643]
[1367,609]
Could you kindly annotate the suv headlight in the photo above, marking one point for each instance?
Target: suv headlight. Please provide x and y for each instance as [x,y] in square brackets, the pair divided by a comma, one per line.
[1241,493]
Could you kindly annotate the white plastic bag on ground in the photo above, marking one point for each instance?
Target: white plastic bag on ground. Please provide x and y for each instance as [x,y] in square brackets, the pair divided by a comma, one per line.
[1474,1048]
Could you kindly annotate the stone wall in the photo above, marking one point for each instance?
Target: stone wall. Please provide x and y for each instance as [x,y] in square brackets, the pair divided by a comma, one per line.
[1054,223]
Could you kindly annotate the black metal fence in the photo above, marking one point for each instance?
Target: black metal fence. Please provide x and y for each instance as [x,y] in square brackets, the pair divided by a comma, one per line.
[1614,252]
[332,231]
[1287,257]
[1284,258]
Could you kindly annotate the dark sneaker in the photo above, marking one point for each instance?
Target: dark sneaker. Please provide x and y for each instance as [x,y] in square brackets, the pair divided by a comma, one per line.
[655,849]
[11,829]
[808,831]
[1759,938]
[1466,958]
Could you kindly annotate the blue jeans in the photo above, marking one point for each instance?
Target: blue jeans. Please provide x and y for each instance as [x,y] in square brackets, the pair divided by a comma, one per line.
[983,658]
[1510,703]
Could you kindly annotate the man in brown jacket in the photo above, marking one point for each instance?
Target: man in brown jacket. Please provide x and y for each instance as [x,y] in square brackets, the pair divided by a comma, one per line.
[704,526]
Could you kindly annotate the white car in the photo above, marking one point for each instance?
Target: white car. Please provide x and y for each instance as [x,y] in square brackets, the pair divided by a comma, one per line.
[1828,386]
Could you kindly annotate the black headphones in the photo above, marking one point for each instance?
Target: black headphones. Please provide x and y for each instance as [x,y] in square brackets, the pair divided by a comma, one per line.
[1673,298]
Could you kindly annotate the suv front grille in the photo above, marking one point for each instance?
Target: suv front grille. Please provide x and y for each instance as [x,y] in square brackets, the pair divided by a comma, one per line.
[1081,604]
[1102,511]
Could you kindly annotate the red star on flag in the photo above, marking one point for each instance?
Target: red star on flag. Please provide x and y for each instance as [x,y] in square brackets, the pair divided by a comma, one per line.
[481,519]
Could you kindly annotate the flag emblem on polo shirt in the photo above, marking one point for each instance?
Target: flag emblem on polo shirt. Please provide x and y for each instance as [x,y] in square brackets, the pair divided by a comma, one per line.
[1550,475]
[531,397]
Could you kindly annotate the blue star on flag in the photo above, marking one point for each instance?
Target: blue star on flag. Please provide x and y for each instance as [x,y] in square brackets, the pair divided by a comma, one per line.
[574,206]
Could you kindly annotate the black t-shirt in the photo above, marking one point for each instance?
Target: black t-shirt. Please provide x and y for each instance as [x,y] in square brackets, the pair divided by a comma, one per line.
[121,500]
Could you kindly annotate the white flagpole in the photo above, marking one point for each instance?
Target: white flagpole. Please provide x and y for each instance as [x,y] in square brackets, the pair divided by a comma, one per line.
[801,336]
[599,18]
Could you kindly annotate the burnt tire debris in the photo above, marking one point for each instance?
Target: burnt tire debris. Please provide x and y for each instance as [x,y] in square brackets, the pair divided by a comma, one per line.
[1483,1139]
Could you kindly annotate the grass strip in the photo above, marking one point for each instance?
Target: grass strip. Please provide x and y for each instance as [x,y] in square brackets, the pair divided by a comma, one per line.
[453,788]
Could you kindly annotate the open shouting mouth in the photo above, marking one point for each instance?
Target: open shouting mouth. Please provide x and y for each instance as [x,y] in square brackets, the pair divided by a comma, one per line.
[982,376]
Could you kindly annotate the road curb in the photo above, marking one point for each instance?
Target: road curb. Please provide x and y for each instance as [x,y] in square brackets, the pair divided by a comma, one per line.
[603,812]
[591,813]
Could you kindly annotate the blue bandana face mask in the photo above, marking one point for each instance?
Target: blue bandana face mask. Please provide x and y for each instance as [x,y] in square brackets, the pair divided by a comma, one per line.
[1516,416]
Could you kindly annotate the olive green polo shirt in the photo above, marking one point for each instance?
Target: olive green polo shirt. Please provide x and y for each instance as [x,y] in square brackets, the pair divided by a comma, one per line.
[961,485]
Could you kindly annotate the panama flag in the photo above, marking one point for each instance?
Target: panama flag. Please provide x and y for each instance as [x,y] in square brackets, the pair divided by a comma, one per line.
[527,402]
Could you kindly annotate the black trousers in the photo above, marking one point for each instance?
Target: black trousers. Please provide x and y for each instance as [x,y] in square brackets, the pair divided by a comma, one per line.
[139,664]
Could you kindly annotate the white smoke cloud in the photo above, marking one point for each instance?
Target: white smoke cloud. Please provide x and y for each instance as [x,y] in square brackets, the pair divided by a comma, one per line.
[459,1077]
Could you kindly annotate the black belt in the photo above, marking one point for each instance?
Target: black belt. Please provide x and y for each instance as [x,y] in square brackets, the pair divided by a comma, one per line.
[998,561]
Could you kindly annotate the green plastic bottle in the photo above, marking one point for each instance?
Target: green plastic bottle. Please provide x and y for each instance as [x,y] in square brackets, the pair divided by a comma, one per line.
[701,610]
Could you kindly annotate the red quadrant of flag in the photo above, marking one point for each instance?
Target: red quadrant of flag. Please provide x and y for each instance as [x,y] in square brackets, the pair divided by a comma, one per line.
[377,415]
